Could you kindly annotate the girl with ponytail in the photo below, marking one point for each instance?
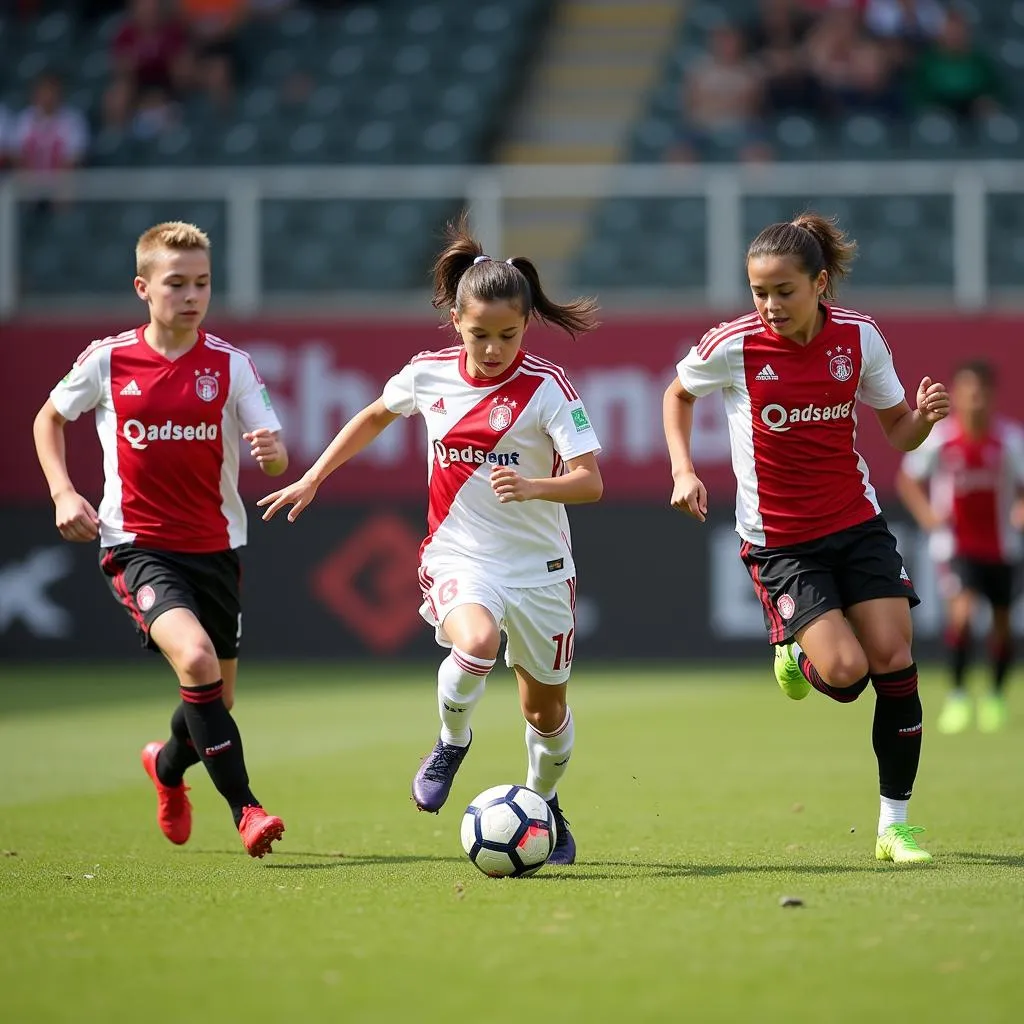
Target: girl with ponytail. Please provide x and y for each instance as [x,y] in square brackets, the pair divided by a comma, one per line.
[833,587]
[510,444]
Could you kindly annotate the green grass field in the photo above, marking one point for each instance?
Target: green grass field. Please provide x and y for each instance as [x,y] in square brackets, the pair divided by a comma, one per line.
[698,799]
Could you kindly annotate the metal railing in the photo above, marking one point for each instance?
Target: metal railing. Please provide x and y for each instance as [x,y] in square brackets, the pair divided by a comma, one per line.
[488,189]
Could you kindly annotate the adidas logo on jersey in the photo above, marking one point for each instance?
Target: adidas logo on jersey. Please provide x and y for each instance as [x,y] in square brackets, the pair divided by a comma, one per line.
[438,406]
[767,373]
[131,388]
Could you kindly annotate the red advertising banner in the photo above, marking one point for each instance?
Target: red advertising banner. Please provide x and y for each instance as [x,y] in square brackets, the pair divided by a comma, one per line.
[321,372]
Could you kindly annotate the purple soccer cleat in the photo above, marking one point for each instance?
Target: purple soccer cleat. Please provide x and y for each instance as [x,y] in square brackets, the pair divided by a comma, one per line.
[433,782]
[565,846]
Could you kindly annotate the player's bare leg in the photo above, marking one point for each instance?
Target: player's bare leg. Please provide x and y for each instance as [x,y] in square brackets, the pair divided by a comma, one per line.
[214,734]
[885,630]
[461,681]
[992,714]
[549,742]
[956,712]
[832,659]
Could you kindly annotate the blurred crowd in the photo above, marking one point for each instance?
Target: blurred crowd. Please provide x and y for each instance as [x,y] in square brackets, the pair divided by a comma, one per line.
[829,59]
[168,59]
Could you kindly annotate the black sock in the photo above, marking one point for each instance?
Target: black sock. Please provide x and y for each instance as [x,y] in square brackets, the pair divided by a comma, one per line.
[843,694]
[218,743]
[896,733]
[959,645]
[178,754]
[1002,659]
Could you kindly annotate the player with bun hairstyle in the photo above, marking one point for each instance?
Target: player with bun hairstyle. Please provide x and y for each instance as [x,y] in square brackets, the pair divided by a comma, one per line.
[509,446]
[835,594]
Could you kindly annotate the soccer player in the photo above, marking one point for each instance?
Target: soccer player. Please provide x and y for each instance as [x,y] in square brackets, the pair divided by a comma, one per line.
[170,403]
[835,594]
[510,445]
[975,462]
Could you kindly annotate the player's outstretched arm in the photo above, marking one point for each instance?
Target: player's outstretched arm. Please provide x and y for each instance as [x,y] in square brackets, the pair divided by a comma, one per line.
[75,518]
[906,428]
[359,432]
[688,493]
[581,485]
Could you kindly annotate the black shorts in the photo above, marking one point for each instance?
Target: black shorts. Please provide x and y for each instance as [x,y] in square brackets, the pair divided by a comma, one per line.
[147,583]
[993,581]
[799,583]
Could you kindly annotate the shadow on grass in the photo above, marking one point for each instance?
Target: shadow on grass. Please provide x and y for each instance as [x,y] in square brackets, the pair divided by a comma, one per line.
[999,860]
[589,871]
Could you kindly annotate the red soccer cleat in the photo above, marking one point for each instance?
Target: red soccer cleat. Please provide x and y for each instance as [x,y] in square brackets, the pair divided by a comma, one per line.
[173,810]
[258,830]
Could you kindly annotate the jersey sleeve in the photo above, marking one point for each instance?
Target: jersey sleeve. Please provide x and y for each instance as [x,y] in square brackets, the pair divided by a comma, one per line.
[879,386]
[252,400]
[82,388]
[701,374]
[567,424]
[400,391]
[923,461]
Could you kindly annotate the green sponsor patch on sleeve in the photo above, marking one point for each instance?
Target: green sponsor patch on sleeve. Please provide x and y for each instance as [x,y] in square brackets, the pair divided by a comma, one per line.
[266,396]
[579,417]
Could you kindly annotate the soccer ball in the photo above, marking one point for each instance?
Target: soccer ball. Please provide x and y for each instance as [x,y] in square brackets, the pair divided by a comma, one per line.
[508,831]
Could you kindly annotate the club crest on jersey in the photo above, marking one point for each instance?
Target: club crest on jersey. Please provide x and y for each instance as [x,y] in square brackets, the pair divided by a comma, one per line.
[207,385]
[840,364]
[501,415]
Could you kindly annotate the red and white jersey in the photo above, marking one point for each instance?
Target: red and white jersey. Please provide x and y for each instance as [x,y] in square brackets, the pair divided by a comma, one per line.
[793,422]
[529,418]
[44,142]
[170,432]
[974,481]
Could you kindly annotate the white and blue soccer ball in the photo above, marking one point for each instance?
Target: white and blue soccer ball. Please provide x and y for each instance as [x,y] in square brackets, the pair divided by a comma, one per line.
[508,831]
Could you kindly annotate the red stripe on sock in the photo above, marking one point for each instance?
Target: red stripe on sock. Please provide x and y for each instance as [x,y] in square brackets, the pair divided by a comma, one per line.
[200,694]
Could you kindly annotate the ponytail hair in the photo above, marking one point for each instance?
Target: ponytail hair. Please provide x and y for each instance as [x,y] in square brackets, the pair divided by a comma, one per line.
[463,272]
[816,243]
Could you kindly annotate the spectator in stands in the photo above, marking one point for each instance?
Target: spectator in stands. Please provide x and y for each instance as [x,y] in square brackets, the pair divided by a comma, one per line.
[49,135]
[904,28]
[723,96]
[775,39]
[150,50]
[854,72]
[214,25]
[955,75]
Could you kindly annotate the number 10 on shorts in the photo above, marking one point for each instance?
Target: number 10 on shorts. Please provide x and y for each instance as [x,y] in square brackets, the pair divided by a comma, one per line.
[564,644]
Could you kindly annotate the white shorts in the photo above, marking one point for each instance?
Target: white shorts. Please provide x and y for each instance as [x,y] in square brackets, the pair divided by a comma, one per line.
[538,622]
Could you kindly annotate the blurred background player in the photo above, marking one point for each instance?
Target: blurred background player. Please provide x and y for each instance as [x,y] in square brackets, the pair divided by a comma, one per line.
[835,594]
[509,445]
[171,402]
[974,515]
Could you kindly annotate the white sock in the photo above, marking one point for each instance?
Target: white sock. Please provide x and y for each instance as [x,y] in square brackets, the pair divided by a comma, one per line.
[461,679]
[548,754]
[892,812]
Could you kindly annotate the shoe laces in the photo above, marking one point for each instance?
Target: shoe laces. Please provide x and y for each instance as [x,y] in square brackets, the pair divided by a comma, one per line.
[561,822]
[906,833]
[443,762]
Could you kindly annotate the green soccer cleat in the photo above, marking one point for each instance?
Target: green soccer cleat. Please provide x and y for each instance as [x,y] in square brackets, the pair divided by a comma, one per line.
[897,843]
[992,713]
[787,671]
[955,716]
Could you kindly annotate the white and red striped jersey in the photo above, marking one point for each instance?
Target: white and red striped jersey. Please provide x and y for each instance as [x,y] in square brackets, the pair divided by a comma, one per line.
[974,481]
[793,423]
[531,419]
[170,432]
